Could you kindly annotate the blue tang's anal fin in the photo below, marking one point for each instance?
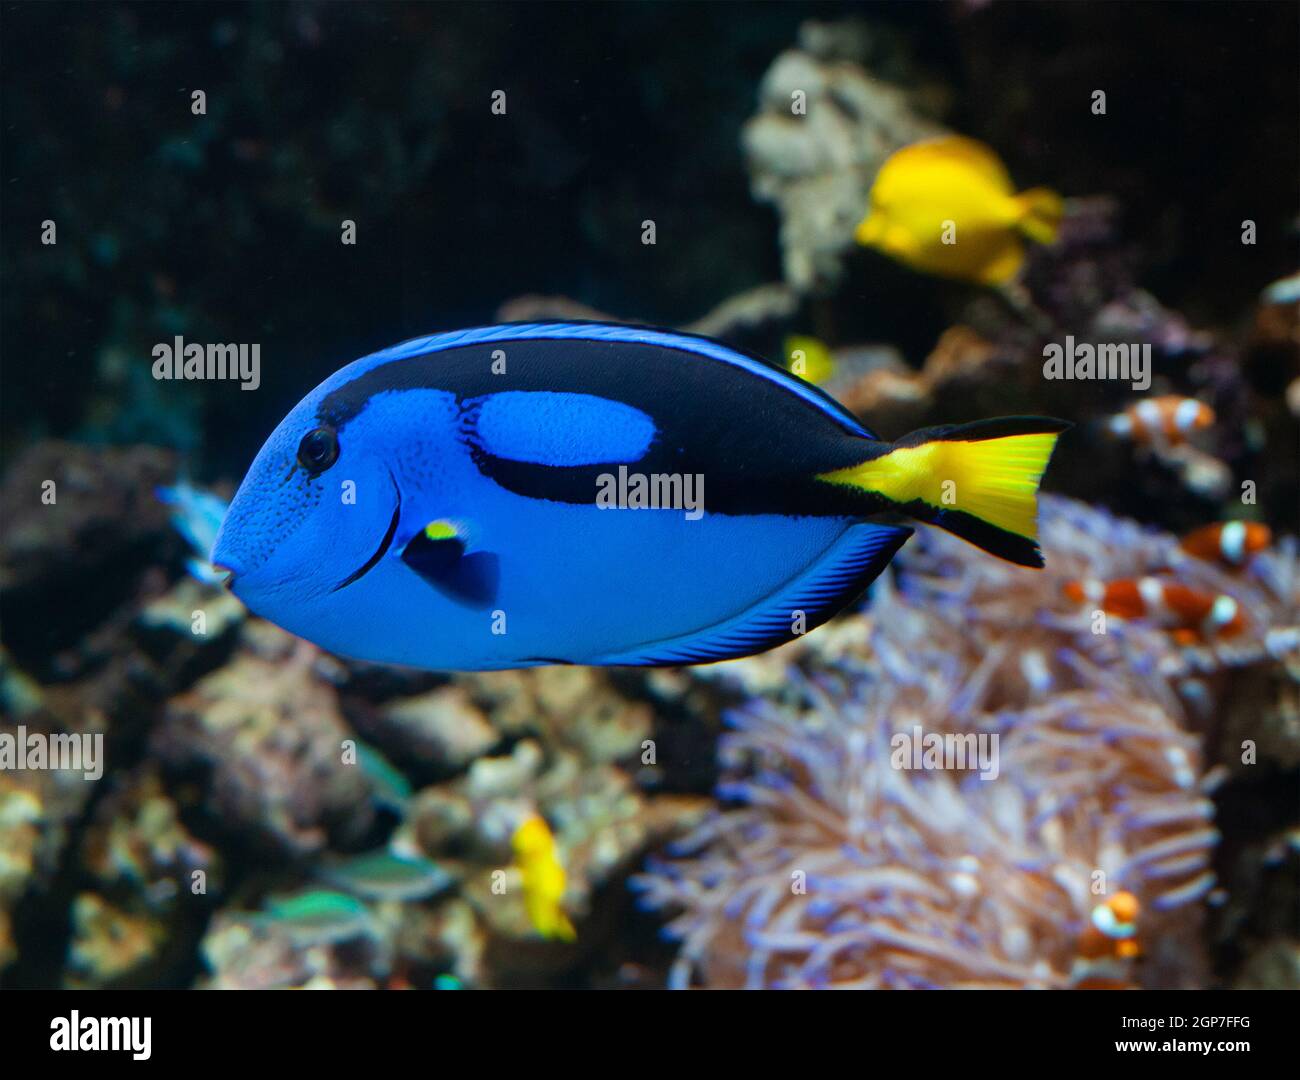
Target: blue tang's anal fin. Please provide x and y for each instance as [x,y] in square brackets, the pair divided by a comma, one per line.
[437,553]
[821,591]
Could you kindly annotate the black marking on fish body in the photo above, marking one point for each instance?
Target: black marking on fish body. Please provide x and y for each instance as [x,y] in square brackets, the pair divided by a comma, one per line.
[758,444]
[380,552]
[347,400]
[470,579]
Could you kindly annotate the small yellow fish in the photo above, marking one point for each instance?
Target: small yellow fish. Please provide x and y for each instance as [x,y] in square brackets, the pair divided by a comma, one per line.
[947,206]
[809,358]
[543,874]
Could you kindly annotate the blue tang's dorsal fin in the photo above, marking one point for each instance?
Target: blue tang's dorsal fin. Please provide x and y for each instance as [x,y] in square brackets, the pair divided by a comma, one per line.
[609,332]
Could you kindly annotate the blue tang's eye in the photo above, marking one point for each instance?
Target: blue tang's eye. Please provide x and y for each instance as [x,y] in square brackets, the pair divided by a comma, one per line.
[318,450]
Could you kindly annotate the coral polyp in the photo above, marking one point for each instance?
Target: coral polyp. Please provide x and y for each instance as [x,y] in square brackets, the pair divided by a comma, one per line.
[841,869]
[849,859]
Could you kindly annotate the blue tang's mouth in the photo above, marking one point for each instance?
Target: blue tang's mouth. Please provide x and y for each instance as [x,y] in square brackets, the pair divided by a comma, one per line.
[378,552]
[365,568]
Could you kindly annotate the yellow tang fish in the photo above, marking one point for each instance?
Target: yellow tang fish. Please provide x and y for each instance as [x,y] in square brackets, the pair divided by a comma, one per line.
[543,874]
[809,358]
[947,206]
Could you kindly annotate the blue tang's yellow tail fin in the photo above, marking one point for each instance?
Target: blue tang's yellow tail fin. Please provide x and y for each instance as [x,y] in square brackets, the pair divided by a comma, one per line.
[978,481]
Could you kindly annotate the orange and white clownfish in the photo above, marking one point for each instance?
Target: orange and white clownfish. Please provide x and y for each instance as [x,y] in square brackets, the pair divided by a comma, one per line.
[1106,945]
[1168,420]
[1191,614]
[1228,542]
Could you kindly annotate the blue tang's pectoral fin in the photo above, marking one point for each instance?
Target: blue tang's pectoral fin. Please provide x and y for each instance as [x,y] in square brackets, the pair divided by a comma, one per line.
[821,591]
[437,553]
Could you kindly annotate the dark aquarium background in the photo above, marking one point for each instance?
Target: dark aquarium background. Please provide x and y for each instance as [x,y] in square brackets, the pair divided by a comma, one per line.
[270,815]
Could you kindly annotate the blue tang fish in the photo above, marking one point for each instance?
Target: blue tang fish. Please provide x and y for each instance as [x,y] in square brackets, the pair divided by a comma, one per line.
[583,493]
